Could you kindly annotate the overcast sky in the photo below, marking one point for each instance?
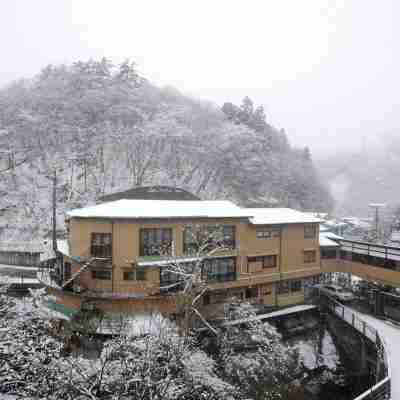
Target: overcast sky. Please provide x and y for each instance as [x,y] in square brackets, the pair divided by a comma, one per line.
[327,71]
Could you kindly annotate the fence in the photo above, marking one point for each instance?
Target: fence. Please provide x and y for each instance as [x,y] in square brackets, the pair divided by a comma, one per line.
[380,391]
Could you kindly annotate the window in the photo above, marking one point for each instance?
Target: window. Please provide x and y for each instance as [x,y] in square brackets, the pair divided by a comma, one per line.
[310,231]
[101,245]
[155,241]
[267,233]
[101,274]
[196,237]
[219,269]
[310,256]
[137,275]
[171,281]
[283,287]
[251,292]
[328,253]
[67,271]
[295,286]
[267,261]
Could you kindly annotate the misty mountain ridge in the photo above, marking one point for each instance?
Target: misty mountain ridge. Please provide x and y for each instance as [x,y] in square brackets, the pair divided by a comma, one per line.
[365,174]
[104,128]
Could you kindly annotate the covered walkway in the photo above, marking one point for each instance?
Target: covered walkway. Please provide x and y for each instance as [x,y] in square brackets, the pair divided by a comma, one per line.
[369,261]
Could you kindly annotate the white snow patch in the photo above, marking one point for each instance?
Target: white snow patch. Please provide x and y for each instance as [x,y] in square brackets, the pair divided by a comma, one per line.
[311,358]
[286,311]
[161,209]
[266,216]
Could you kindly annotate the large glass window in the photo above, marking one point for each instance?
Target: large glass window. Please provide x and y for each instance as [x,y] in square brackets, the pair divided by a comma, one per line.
[155,241]
[207,237]
[203,238]
[101,245]
[101,274]
[171,280]
[310,231]
[219,269]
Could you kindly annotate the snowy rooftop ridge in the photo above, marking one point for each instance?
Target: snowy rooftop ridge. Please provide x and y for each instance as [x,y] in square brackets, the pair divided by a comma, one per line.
[271,216]
[162,209]
[136,209]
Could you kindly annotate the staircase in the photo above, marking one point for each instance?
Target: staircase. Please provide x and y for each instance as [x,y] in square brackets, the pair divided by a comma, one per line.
[77,273]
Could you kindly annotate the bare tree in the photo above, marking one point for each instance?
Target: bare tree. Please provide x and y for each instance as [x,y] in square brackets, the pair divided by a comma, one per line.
[187,273]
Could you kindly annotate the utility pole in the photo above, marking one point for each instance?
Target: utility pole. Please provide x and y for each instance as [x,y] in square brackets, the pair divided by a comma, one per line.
[376,207]
[54,209]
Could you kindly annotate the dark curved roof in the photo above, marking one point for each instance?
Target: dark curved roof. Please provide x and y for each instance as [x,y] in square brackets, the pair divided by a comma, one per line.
[150,193]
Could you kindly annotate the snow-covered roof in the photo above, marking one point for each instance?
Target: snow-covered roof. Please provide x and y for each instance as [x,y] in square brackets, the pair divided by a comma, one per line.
[331,235]
[63,247]
[271,216]
[326,242]
[22,247]
[316,214]
[161,209]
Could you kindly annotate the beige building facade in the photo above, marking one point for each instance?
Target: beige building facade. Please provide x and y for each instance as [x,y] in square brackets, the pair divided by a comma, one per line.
[118,255]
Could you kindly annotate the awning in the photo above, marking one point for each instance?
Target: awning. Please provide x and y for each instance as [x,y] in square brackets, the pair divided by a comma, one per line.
[58,310]
[157,261]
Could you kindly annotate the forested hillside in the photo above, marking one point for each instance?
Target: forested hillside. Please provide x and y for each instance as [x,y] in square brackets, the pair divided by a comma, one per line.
[104,128]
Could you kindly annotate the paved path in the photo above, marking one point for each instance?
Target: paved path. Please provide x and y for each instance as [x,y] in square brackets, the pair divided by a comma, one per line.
[391,334]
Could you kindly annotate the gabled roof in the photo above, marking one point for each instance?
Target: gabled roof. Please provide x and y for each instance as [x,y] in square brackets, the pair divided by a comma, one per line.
[137,209]
[151,193]
[273,216]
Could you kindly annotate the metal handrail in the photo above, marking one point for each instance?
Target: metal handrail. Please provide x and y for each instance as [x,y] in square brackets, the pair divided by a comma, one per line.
[370,249]
[381,390]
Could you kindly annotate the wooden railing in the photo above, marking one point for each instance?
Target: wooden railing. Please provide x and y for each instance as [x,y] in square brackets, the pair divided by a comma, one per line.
[380,391]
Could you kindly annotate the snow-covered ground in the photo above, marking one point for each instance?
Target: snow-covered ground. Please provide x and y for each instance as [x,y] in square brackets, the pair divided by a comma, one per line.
[311,357]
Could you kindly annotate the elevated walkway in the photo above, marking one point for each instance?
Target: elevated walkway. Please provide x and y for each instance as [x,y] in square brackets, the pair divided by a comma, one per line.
[368,261]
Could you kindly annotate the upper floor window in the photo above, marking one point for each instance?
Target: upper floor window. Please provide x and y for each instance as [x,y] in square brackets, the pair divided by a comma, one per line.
[155,241]
[327,253]
[138,274]
[203,238]
[101,274]
[267,261]
[219,269]
[310,256]
[296,285]
[101,245]
[310,231]
[267,232]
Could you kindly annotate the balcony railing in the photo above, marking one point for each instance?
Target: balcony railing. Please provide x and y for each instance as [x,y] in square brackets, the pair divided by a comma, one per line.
[369,253]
